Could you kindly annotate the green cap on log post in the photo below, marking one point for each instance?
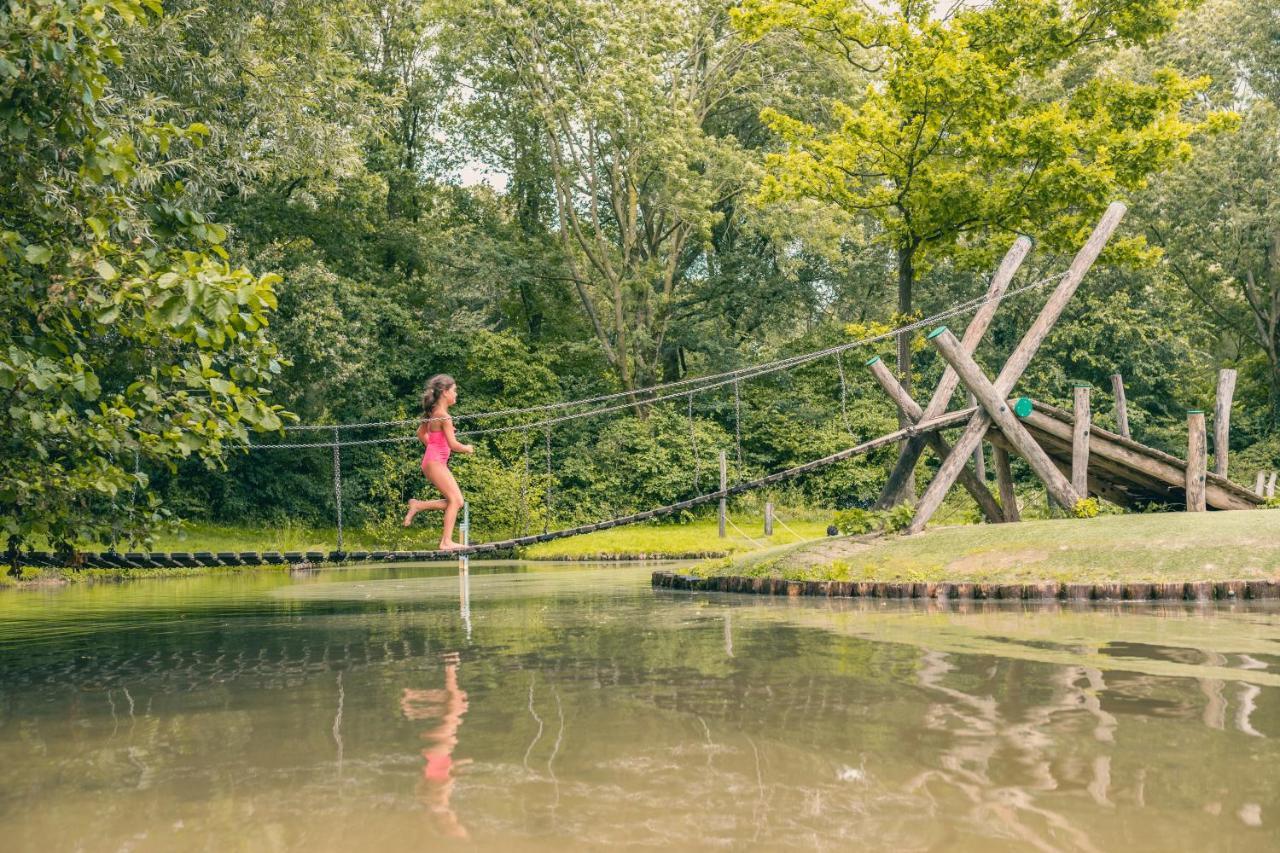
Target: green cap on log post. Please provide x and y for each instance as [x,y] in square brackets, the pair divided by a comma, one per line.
[872,360]
[936,332]
[1195,411]
[1081,385]
[1023,407]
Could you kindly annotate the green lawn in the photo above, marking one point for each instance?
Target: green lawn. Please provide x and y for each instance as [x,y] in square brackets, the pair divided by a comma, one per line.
[1137,548]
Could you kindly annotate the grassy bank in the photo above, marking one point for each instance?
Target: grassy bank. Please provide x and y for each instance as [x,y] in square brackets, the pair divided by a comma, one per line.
[698,538]
[1133,548]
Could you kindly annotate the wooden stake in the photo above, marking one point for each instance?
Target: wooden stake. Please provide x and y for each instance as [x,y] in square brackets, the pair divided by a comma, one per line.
[1222,420]
[1122,407]
[1271,485]
[1260,484]
[724,484]
[768,518]
[1017,364]
[941,398]
[979,459]
[1197,445]
[998,410]
[913,414]
[1004,479]
[1080,441]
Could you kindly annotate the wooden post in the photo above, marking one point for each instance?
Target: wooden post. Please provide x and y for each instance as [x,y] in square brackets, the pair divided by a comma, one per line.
[911,411]
[1222,420]
[998,411]
[768,518]
[724,484]
[1260,483]
[1197,447]
[1017,364]
[1004,479]
[1122,407]
[1080,441]
[979,459]
[1271,485]
[941,398]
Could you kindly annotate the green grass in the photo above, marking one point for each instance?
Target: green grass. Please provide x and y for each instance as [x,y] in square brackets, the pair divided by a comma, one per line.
[698,538]
[1137,548]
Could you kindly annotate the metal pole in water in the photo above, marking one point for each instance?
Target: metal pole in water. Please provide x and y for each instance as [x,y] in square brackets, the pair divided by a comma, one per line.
[337,483]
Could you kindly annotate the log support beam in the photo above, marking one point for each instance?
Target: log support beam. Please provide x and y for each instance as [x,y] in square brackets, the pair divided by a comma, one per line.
[1080,441]
[1197,451]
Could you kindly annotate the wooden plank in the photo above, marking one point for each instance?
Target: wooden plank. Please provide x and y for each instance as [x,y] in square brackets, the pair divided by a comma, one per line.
[1222,420]
[1080,440]
[998,410]
[1122,406]
[941,399]
[912,413]
[1004,481]
[1159,467]
[1197,448]
[1017,363]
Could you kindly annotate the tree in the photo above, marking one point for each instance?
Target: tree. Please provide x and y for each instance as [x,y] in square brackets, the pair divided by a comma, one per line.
[980,121]
[125,332]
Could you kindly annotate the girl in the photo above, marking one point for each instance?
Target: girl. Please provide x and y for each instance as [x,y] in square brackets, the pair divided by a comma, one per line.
[436,434]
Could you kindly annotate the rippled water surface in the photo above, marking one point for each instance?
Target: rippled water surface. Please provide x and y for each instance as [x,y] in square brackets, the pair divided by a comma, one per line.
[406,709]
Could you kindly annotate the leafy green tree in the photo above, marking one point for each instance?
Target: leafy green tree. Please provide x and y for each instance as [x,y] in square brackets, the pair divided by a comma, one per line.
[977,122]
[126,332]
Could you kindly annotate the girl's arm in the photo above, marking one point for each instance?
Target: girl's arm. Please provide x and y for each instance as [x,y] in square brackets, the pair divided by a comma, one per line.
[454,445]
[422,433]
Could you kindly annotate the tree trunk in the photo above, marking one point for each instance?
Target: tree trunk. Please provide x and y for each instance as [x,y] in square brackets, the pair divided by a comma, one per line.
[906,283]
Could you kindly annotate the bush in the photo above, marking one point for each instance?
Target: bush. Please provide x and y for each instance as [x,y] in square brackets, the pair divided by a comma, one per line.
[853,522]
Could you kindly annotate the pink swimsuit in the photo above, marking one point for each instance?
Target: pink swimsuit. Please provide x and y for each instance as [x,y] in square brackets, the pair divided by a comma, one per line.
[437,448]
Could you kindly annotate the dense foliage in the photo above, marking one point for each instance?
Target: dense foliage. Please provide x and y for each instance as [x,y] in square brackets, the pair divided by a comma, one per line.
[552,199]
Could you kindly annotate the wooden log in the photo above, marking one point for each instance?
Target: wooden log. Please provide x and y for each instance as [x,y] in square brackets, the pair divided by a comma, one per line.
[1004,480]
[1271,485]
[941,398]
[1222,420]
[1260,483]
[768,518]
[1196,450]
[1122,407]
[724,484]
[979,458]
[1135,462]
[912,412]
[1017,363]
[997,410]
[1080,441]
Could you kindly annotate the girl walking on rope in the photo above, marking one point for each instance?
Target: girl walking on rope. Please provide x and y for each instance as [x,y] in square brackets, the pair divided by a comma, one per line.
[437,436]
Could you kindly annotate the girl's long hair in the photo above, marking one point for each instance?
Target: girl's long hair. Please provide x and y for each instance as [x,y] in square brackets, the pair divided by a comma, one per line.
[436,386]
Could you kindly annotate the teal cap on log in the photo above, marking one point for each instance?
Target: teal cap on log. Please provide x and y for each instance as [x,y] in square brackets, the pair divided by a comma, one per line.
[1081,385]
[936,332]
[872,360]
[1023,407]
[1195,411]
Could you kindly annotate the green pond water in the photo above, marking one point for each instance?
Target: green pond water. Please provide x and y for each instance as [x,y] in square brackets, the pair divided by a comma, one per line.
[557,707]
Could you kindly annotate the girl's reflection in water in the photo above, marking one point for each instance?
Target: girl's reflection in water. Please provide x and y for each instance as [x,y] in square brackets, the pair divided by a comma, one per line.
[449,704]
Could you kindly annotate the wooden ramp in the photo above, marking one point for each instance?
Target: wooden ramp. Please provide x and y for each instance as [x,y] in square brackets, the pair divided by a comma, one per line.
[1122,470]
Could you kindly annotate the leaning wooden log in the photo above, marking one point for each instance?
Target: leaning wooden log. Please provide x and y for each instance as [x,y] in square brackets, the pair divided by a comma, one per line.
[1017,363]
[1004,481]
[1197,443]
[1119,457]
[1122,407]
[1080,441]
[1222,420]
[941,398]
[912,412]
[998,410]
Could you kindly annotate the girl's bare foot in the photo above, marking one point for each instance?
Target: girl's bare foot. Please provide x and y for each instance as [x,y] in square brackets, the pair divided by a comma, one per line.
[451,546]
[414,508]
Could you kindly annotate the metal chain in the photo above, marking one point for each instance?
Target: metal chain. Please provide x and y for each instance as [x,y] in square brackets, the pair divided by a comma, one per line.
[712,381]
[844,394]
[693,442]
[337,483]
[737,423]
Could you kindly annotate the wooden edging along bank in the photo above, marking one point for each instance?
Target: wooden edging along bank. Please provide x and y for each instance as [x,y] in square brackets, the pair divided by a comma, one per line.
[1170,591]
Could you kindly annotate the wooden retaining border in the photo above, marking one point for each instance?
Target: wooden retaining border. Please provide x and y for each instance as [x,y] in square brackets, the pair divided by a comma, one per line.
[1170,591]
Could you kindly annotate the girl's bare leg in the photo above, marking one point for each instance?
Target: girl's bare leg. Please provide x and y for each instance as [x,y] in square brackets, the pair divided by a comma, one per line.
[417,506]
[442,478]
